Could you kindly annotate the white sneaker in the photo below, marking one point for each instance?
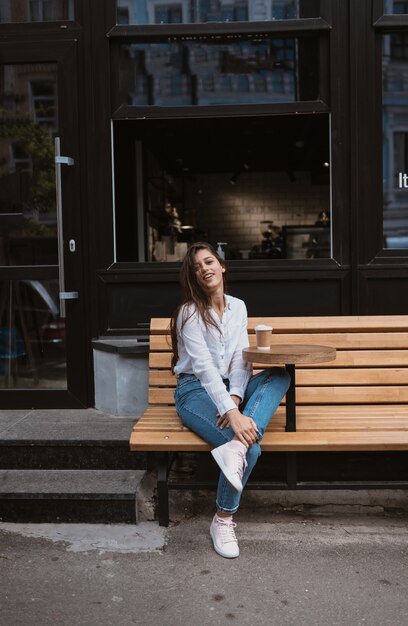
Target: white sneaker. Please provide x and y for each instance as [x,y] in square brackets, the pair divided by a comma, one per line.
[223,535]
[232,463]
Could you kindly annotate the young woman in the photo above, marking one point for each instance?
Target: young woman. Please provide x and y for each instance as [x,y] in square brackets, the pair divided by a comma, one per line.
[216,396]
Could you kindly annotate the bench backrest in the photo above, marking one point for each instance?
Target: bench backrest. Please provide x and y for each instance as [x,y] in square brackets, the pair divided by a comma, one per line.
[371,365]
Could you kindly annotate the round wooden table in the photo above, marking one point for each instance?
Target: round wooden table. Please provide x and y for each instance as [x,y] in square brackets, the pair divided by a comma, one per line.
[290,355]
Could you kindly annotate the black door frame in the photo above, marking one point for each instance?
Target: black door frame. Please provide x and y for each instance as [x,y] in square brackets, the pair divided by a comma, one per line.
[64,54]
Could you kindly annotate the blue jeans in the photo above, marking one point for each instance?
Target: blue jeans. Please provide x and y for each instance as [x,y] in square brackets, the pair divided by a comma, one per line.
[197,411]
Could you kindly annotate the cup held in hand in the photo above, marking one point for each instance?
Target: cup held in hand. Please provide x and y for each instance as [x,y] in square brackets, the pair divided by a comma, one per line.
[263,337]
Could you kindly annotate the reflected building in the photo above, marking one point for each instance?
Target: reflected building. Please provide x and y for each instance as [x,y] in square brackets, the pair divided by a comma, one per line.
[194,11]
[28,111]
[395,138]
[12,11]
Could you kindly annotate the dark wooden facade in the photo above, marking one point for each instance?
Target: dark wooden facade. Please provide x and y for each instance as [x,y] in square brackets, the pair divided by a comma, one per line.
[120,298]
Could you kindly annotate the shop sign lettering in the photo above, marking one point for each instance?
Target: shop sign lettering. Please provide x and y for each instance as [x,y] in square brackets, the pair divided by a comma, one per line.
[403,180]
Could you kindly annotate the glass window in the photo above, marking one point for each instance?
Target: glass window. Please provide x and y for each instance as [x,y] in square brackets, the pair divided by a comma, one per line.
[186,12]
[28,123]
[395,138]
[43,102]
[257,187]
[395,6]
[32,335]
[200,73]
[36,10]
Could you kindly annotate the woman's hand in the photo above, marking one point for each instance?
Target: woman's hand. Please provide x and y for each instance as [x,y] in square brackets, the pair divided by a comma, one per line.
[244,427]
[223,421]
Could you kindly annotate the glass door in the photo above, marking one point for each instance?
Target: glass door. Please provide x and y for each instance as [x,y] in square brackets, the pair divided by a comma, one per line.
[42,360]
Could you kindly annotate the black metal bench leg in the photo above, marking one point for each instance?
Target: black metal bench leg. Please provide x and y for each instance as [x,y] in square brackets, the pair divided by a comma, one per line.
[291,469]
[162,462]
[291,400]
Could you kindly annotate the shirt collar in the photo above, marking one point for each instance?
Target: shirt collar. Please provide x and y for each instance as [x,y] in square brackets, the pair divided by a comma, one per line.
[228,300]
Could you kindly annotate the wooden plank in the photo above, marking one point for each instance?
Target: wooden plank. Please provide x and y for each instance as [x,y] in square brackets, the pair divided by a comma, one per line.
[357,358]
[303,425]
[338,441]
[295,324]
[308,417]
[311,377]
[332,323]
[318,395]
[326,411]
[352,395]
[346,341]
[353,376]
[360,411]
[280,441]
[341,341]
[162,379]
[184,441]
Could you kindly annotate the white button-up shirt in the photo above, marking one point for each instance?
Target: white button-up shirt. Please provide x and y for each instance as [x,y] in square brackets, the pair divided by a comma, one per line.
[212,355]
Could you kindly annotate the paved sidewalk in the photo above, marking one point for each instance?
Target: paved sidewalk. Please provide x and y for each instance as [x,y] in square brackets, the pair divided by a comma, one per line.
[293,569]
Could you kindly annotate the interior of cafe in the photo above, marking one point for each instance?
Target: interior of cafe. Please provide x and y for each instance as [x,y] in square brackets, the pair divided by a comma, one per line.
[257,188]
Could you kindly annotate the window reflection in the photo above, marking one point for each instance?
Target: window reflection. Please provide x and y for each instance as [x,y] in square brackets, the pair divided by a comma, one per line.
[36,10]
[395,6]
[28,122]
[245,72]
[184,12]
[395,137]
[32,336]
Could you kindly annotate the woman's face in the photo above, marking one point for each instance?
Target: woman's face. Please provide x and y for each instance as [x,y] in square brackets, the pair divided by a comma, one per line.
[209,271]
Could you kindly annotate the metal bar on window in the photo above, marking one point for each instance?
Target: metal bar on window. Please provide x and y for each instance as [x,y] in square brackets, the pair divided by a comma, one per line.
[212,29]
[127,112]
[140,204]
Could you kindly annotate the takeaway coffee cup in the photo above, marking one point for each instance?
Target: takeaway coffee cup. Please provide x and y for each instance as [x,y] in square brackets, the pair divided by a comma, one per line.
[263,337]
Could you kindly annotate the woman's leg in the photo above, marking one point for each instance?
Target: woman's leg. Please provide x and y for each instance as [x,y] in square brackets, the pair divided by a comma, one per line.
[263,395]
[198,412]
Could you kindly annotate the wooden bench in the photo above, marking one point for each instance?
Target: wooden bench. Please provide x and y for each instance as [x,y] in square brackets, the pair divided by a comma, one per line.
[359,402]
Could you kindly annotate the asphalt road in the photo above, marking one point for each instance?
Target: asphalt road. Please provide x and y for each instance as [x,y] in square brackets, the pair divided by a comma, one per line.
[293,569]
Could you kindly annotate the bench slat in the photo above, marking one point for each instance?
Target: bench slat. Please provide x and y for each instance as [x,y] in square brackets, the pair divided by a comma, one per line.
[379,411]
[363,376]
[317,395]
[280,442]
[340,341]
[357,358]
[294,324]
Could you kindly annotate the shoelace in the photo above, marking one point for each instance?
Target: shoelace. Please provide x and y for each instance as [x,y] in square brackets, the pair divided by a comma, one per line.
[227,531]
[242,464]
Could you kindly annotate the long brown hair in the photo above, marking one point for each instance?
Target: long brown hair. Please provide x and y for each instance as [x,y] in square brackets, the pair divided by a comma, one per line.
[193,293]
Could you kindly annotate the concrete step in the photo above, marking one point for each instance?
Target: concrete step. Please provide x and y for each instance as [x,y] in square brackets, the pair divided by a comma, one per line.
[66,439]
[108,496]
[69,455]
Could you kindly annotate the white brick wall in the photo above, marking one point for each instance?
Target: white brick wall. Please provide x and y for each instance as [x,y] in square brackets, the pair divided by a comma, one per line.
[233,213]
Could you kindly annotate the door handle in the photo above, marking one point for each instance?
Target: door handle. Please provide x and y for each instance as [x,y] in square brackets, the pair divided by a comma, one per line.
[59,161]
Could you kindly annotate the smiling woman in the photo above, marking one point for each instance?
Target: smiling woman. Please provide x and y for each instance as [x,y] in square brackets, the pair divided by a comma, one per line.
[210,272]
[216,396]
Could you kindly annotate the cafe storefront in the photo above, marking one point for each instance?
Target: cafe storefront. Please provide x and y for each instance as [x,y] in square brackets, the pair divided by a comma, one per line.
[275,129]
